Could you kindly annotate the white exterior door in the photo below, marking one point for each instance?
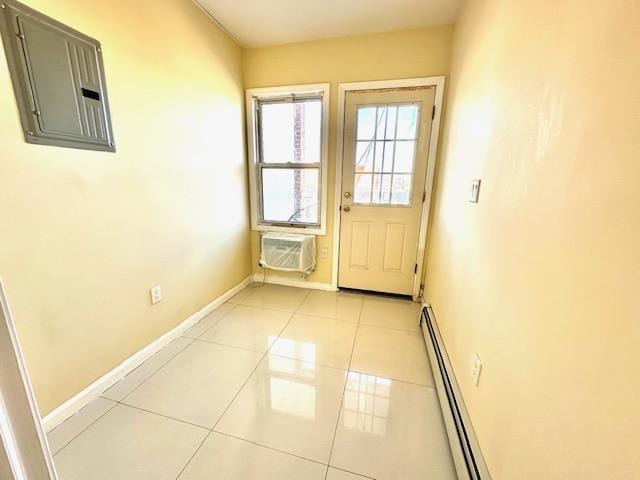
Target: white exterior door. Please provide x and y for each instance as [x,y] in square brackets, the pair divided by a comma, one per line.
[386,144]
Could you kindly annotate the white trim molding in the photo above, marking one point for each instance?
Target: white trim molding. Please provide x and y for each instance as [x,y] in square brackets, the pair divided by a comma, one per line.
[83,398]
[251,97]
[437,82]
[22,436]
[291,281]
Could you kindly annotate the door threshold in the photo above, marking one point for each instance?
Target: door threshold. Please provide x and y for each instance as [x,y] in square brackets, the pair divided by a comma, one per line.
[379,294]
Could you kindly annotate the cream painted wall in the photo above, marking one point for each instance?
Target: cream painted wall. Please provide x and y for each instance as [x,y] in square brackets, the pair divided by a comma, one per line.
[86,234]
[541,277]
[413,53]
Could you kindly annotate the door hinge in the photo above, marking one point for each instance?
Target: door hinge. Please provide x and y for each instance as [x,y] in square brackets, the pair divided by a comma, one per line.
[424,196]
[433,112]
[415,269]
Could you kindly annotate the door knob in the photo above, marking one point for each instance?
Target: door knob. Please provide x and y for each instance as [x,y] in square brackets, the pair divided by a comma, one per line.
[347,195]
[346,208]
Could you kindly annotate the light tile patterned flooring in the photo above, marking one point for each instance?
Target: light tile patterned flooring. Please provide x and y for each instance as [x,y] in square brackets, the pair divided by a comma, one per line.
[277,383]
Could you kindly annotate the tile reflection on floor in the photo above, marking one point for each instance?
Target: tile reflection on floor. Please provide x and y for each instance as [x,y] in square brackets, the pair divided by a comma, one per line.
[278,383]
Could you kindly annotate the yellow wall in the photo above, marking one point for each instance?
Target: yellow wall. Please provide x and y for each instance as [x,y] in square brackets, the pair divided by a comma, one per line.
[542,277]
[414,53]
[86,234]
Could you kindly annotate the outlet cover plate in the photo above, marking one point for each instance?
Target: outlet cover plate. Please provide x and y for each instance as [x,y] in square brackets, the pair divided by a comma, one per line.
[474,193]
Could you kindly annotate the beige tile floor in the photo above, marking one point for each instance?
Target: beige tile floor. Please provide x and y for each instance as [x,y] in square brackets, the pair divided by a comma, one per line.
[278,383]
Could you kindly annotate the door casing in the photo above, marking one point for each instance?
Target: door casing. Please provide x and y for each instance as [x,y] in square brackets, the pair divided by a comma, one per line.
[438,82]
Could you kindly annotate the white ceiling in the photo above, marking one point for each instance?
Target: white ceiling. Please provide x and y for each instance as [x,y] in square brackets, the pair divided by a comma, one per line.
[256,23]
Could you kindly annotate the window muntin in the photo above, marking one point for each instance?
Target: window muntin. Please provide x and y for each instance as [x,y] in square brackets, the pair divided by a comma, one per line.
[290,160]
[386,139]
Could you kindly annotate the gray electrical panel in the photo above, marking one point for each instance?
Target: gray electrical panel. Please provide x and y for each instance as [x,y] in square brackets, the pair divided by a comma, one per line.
[58,78]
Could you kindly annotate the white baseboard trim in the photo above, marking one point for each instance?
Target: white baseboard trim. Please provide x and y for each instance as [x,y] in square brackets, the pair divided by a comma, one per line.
[279,279]
[84,397]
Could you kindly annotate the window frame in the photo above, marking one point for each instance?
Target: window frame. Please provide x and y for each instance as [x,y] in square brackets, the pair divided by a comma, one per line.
[283,93]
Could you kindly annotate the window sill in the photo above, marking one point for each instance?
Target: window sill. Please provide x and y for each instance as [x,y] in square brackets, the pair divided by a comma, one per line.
[260,227]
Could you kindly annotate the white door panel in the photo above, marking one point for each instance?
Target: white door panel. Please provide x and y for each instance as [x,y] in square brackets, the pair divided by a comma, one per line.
[386,143]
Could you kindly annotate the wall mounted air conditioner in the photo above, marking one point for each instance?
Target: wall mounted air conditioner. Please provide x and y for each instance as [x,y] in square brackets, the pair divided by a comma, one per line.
[289,252]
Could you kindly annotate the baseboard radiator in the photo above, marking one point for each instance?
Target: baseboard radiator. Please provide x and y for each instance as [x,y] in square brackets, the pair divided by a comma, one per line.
[465,450]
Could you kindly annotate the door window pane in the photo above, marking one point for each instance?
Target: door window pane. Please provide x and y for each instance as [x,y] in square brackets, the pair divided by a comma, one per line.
[405,152]
[362,188]
[381,189]
[390,130]
[385,154]
[290,195]
[364,157]
[291,131]
[401,189]
[407,122]
[366,123]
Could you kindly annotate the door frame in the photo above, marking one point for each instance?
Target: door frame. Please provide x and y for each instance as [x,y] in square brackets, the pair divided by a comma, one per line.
[343,88]
[21,432]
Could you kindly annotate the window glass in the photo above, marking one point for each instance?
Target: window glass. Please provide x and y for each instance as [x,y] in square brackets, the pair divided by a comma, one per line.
[291,131]
[407,122]
[290,195]
[366,123]
[385,154]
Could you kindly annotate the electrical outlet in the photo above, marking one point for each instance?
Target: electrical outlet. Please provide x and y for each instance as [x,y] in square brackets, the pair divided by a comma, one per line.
[474,193]
[324,252]
[156,294]
[477,369]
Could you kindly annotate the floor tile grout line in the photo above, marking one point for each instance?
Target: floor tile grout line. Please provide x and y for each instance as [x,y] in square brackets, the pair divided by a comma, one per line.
[270,448]
[164,416]
[156,371]
[325,317]
[194,454]
[287,453]
[269,353]
[349,471]
[391,328]
[406,382]
[115,404]
[218,320]
[344,389]
[264,355]
[232,400]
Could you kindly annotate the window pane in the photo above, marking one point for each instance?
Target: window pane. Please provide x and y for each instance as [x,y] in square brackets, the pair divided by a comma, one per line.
[362,188]
[388,157]
[291,131]
[407,121]
[383,156]
[366,123]
[401,189]
[381,189]
[290,195]
[377,187]
[381,122]
[405,152]
[390,131]
[385,194]
[364,157]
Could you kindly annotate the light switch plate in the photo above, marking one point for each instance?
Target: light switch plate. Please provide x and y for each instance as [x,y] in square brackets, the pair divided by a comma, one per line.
[474,193]
[477,369]
[156,294]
